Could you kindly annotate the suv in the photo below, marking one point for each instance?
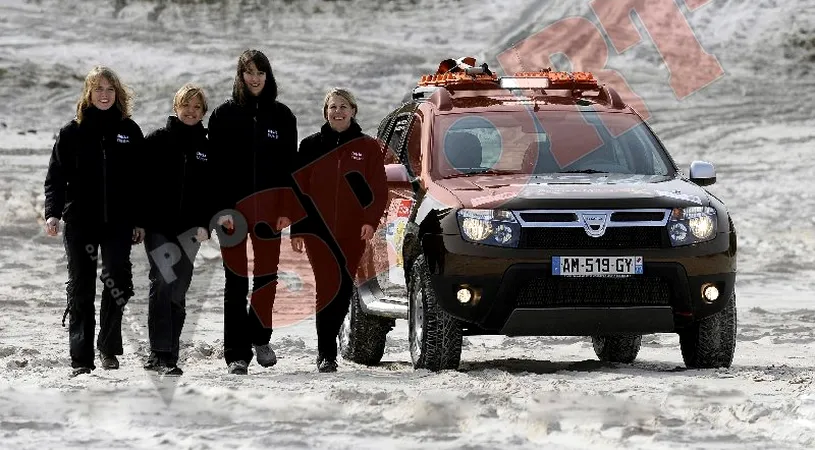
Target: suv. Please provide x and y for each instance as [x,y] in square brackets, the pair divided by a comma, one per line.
[540,205]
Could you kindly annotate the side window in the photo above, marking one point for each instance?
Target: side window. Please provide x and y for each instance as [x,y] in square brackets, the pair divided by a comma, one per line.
[384,133]
[399,135]
[413,147]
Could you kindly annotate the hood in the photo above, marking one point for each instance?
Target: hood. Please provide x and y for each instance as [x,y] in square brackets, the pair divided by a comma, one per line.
[570,191]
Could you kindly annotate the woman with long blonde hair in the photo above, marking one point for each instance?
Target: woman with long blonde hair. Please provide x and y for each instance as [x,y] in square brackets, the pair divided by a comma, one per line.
[90,186]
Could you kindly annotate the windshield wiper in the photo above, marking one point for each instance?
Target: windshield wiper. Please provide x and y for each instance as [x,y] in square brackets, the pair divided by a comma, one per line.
[484,172]
[583,171]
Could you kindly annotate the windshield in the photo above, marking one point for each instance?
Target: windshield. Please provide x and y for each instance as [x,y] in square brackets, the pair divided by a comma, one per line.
[546,142]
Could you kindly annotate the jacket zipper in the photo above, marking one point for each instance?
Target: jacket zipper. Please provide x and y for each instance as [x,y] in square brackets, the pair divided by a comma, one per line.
[337,187]
[104,180]
[255,159]
[183,179]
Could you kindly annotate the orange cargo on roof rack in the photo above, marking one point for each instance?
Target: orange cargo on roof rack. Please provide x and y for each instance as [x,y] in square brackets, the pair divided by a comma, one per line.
[453,78]
[563,80]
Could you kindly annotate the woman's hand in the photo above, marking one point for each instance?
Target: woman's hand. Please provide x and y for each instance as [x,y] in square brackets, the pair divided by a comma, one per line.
[226,221]
[282,222]
[202,234]
[52,226]
[367,232]
[298,244]
[138,235]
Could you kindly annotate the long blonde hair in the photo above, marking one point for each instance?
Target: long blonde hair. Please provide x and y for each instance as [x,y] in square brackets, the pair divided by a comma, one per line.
[123,95]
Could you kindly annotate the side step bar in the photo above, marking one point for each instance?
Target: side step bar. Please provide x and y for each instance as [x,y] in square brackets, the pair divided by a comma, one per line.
[375,302]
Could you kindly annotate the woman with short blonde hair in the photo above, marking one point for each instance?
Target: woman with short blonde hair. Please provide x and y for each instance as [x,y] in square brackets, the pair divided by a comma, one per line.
[339,154]
[178,217]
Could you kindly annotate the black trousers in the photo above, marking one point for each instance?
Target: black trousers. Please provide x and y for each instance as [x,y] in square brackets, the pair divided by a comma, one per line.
[247,324]
[335,264]
[82,246]
[171,267]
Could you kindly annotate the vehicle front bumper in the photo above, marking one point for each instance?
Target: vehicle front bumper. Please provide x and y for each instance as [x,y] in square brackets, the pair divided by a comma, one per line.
[517,295]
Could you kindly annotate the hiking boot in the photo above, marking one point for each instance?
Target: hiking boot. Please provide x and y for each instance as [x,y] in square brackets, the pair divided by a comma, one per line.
[265,355]
[159,361]
[153,362]
[326,365]
[171,371]
[238,368]
[80,371]
[109,362]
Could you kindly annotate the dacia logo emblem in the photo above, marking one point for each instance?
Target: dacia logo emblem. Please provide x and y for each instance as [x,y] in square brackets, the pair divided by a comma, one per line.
[595,223]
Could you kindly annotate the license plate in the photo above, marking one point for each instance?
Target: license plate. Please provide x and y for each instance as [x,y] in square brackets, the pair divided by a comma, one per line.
[596,265]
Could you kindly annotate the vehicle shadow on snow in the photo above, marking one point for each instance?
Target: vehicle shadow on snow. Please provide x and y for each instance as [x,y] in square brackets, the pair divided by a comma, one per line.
[515,365]
[643,368]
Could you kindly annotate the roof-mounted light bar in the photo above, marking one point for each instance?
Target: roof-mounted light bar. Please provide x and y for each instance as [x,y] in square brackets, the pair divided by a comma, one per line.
[547,79]
[524,83]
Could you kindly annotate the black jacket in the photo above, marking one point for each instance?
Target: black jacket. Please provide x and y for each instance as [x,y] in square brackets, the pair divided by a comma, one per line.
[343,176]
[176,188]
[253,147]
[91,178]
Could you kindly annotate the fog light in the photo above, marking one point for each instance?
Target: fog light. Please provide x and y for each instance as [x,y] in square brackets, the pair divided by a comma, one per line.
[464,295]
[710,293]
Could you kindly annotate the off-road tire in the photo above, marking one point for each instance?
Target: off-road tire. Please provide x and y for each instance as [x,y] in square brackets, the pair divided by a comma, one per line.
[362,336]
[618,349]
[440,345]
[711,342]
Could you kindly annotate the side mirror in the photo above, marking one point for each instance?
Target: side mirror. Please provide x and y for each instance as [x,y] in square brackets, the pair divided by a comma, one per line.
[702,173]
[398,176]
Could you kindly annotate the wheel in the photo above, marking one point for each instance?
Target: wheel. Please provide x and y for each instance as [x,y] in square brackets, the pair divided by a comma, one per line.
[435,336]
[621,349]
[711,342]
[362,336]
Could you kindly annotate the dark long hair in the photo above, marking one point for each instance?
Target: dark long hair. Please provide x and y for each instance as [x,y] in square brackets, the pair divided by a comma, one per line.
[239,89]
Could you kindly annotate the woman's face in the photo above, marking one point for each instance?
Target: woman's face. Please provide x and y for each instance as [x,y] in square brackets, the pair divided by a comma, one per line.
[339,113]
[191,112]
[103,95]
[255,79]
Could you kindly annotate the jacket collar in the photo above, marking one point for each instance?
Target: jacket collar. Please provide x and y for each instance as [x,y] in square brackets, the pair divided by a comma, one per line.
[175,125]
[335,138]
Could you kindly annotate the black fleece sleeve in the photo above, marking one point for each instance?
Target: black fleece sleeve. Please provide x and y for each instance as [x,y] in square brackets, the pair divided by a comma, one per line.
[206,205]
[55,178]
[139,178]
[216,158]
[300,186]
[290,146]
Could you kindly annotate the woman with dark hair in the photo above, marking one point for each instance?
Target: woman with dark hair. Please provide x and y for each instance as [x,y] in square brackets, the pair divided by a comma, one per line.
[253,141]
[90,186]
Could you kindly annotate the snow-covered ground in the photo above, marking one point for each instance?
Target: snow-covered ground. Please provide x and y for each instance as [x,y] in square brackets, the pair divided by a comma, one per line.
[756,124]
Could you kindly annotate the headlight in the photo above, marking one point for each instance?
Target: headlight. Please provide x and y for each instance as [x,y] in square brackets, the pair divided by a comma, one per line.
[692,225]
[489,227]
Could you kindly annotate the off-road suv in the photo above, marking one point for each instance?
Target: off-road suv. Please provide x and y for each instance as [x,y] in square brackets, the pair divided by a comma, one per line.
[541,204]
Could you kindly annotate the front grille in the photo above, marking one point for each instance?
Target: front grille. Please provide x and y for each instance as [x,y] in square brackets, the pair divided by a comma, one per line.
[576,238]
[549,217]
[637,216]
[553,291]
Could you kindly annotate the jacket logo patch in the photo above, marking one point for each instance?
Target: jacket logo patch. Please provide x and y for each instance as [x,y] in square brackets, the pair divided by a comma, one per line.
[357,156]
[122,138]
[272,134]
[201,156]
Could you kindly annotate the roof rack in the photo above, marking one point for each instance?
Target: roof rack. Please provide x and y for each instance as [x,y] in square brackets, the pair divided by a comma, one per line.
[462,74]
